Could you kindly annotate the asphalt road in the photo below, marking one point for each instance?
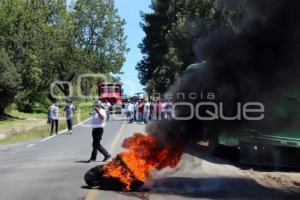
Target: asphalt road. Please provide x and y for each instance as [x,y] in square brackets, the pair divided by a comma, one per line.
[53,169]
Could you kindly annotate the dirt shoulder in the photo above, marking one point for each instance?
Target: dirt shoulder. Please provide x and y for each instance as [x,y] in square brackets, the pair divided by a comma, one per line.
[288,181]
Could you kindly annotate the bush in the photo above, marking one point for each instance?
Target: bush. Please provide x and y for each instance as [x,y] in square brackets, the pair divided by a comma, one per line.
[32,102]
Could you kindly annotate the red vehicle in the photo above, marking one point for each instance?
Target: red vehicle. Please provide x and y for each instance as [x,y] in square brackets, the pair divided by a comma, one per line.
[111,92]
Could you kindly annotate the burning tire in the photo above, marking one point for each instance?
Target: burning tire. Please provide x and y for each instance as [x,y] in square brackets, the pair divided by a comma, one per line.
[95,178]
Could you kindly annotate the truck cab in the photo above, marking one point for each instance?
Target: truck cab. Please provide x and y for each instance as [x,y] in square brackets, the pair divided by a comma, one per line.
[112,93]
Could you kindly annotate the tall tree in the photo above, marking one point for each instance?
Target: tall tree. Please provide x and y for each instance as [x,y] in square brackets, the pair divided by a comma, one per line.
[171,31]
[9,79]
[47,42]
[20,31]
[100,34]
[88,38]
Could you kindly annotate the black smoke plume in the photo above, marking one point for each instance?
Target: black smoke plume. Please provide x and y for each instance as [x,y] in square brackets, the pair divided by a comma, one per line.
[258,63]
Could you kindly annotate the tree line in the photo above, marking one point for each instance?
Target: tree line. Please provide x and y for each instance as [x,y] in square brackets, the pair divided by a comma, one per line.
[172,29]
[42,41]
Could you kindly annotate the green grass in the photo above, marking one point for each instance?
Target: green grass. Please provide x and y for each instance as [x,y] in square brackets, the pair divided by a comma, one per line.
[39,131]
[19,119]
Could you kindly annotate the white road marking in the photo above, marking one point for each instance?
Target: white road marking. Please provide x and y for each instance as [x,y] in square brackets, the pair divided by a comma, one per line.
[91,195]
[30,145]
[82,122]
[48,138]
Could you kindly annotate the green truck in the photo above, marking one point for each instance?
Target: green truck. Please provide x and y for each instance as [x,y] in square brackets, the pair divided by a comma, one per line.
[273,141]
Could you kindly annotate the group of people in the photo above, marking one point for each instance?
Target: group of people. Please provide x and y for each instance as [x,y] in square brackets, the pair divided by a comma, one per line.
[144,111]
[100,115]
[141,111]
[53,116]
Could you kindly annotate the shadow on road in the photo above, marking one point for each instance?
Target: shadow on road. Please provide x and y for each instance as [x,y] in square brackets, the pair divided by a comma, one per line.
[82,161]
[86,187]
[212,188]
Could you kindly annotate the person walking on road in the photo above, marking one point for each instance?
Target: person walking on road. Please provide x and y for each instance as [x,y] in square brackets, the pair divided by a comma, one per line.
[69,109]
[98,124]
[135,112]
[130,112]
[54,114]
[163,109]
[168,110]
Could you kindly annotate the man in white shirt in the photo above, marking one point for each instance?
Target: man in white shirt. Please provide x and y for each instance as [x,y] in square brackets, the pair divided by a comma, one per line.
[69,109]
[146,112]
[130,112]
[107,107]
[54,114]
[98,124]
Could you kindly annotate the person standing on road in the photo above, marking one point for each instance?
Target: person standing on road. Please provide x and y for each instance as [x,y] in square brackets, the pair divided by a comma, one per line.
[135,112]
[54,114]
[69,109]
[168,110]
[107,107]
[152,105]
[130,112]
[98,124]
[158,109]
[140,110]
[146,112]
[163,109]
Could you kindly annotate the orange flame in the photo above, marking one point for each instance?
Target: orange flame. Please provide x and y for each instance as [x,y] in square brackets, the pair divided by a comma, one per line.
[143,155]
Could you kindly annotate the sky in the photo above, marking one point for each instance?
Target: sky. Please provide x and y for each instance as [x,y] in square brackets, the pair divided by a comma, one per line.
[130,11]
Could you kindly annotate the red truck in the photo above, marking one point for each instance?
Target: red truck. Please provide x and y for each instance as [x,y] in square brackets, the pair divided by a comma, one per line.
[112,92]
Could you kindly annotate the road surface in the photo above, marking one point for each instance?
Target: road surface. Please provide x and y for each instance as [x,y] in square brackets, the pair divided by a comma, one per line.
[53,169]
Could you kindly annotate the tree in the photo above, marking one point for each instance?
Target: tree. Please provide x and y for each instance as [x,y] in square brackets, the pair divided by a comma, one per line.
[171,31]
[100,34]
[20,31]
[89,38]
[48,42]
[9,79]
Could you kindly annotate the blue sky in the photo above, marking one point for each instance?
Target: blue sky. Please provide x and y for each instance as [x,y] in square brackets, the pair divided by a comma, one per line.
[130,11]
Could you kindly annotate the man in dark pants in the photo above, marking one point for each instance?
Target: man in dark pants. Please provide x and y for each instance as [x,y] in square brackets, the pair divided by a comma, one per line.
[69,109]
[98,123]
[54,114]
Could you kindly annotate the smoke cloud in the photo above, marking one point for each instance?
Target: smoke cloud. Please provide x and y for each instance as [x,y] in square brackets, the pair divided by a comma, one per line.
[258,63]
